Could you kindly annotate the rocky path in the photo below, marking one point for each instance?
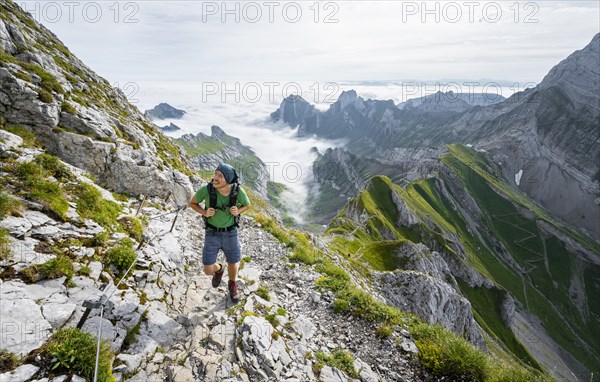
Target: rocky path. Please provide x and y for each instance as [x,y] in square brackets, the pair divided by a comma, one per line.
[275,340]
[169,323]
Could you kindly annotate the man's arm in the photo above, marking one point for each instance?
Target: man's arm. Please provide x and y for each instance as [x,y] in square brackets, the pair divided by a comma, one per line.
[196,207]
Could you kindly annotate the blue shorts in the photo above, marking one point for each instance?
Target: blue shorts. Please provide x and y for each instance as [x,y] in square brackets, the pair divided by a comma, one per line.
[215,241]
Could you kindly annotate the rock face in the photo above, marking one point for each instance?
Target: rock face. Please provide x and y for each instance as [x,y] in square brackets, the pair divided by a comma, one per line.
[164,111]
[426,287]
[207,152]
[78,116]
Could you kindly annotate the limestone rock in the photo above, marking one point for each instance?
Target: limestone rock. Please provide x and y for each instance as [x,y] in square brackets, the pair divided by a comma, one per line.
[8,140]
[20,374]
[162,328]
[331,374]
[432,299]
[24,326]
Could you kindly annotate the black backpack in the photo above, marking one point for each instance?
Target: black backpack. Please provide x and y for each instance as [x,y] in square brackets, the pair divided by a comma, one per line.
[212,194]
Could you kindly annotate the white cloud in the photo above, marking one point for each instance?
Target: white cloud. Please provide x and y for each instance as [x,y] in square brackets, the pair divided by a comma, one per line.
[371,40]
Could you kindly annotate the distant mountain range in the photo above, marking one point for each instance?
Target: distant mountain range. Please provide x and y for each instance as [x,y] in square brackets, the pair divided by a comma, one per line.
[549,134]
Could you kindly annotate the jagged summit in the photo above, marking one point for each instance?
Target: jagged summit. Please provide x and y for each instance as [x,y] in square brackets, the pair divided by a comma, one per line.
[293,110]
[164,111]
[170,127]
[578,75]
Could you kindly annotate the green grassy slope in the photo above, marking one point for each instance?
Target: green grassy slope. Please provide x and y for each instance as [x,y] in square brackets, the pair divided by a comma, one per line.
[506,245]
[542,289]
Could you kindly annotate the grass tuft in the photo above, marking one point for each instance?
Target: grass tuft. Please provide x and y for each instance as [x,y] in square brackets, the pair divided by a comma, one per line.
[121,256]
[449,355]
[133,226]
[67,108]
[55,268]
[8,361]
[53,166]
[93,206]
[9,205]
[74,351]
[263,292]
[340,359]
[48,193]
[5,250]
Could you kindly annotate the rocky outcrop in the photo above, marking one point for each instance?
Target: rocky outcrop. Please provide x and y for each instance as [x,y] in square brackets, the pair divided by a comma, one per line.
[78,116]
[164,111]
[426,287]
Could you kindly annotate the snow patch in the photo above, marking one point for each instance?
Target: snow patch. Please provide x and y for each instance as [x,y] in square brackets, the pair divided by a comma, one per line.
[518,177]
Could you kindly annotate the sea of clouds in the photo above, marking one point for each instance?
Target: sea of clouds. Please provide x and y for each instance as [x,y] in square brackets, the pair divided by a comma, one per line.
[242,109]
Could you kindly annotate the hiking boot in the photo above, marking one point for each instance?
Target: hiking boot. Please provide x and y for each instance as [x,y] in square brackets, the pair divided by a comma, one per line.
[217,276]
[233,291]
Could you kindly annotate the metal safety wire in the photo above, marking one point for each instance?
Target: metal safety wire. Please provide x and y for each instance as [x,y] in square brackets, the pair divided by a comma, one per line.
[102,303]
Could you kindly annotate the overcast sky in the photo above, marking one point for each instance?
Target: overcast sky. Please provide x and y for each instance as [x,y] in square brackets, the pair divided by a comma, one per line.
[325,41]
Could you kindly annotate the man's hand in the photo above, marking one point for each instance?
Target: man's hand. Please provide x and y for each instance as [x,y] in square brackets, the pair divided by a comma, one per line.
[210,212]
[234,211]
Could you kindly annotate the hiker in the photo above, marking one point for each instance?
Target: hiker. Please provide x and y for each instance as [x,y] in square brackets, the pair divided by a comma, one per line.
[224,201]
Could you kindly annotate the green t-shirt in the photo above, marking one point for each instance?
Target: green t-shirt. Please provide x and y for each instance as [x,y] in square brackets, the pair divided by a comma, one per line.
[222,217]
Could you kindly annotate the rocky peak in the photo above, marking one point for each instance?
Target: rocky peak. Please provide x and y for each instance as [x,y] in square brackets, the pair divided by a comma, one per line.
[170,127]
[578,74]
[346,98]
[218,133]
[293,110]
[164,111]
